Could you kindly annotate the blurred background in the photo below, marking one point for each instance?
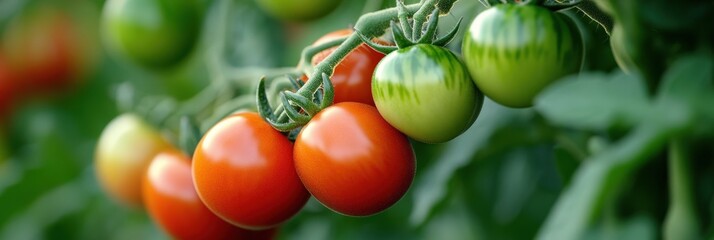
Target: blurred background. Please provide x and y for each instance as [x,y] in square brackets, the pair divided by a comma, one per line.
[61,83]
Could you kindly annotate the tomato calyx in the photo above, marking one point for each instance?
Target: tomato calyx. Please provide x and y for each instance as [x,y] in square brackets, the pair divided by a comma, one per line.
[406,35]
[287,117]
[295,109]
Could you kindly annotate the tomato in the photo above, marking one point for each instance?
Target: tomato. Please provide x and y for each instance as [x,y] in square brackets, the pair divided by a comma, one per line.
[155,34]
[514,51]
[300,11]
[45,50]
[426,93]
[124,150]
[244,172]
[7,92]
[172,201]
[352,77]
[353,161]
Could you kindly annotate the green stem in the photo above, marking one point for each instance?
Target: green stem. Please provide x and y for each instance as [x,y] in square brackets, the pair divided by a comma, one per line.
[593,12]
[420,17]
[371,25]
[681,221]
[309,52]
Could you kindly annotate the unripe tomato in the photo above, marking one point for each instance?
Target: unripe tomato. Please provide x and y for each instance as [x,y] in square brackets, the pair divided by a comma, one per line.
[172,201]
[244,172]
[298,11]
[352,77]
[426,92]
[515,51]
[353,161]
[155,34]
[124,150]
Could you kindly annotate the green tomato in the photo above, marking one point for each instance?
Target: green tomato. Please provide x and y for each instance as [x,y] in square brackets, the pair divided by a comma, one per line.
[514,51]
[154,34]
[300,11]
[426,93]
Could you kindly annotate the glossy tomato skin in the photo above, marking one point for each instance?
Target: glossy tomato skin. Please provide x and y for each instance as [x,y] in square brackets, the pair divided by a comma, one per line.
[426,93]
[244,172]
[298,11]
[155,34]
[352,77]
[353,161]
[514,51]
[172,201]
[124,150]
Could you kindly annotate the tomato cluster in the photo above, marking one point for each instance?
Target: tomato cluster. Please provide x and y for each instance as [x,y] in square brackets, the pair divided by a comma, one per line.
[139,167]
[246,178]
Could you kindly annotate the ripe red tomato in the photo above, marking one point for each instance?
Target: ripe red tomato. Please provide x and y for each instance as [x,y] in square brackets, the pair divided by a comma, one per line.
[244,172]
[353,161]
[352,77]
[7,91]
[44,49]
[172,201]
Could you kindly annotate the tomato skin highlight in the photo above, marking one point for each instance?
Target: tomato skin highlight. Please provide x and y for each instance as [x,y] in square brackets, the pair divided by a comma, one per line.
[426,92]
[155,34]
[244,172]
[514,51]
[124,150]
[172,201]
[353,161]
[352,77]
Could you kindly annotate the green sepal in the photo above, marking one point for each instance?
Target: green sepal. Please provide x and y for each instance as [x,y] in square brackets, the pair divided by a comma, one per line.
[376,46]
[433,22]
[448,37]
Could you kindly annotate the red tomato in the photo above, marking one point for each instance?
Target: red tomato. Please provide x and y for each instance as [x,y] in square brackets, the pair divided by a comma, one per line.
[353,161]
[352,77]
[173,203]
[7,92]
[44,49]
[244,172]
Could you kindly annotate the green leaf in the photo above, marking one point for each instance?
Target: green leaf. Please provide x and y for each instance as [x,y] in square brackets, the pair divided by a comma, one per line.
[599,179]
[566,164]
[689,78]
[432,187]
[595,101]
[687,92]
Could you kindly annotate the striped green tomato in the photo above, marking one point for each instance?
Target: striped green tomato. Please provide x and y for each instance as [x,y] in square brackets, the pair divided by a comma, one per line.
[426,92]
[514,51]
